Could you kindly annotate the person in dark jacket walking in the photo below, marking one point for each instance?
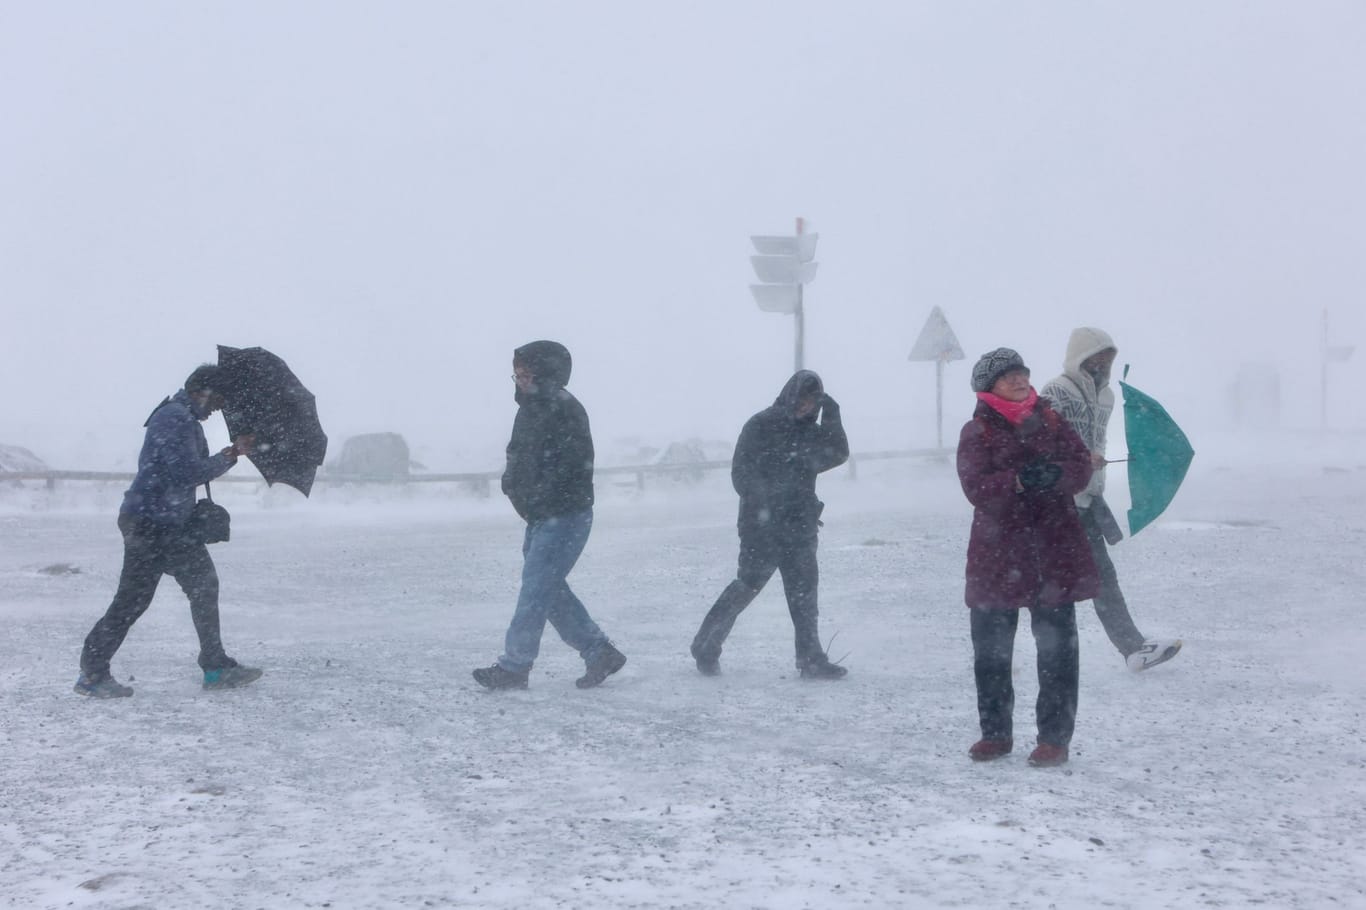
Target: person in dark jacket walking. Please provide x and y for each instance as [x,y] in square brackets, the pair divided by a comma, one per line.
[549,479]
[780,451]
[1020,464]
[157,539]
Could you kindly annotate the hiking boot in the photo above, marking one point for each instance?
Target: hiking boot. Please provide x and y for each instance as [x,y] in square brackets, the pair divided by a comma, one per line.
[101,687]
[1047,755]
[231,677]
[1154,651]
[987,749]
[608,661]
[821,668]
[498,677]
[707,666]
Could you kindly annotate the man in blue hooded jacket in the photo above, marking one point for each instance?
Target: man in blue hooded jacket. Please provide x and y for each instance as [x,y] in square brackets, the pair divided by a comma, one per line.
[780,451]
[157,539]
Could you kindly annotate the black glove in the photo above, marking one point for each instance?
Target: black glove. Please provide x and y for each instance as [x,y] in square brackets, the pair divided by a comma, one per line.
[1039,475]
[829,407]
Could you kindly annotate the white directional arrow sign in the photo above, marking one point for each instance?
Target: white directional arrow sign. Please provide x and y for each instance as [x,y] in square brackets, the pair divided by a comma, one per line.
[784,265]
[803,246]
[783,269]
[776,298]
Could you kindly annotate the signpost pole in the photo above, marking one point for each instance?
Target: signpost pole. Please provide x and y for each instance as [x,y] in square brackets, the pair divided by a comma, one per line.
[939,401]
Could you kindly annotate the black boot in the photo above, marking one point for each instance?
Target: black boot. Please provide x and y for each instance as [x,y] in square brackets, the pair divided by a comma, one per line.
[707,665]
[608,661]
[496,677]
[820,667]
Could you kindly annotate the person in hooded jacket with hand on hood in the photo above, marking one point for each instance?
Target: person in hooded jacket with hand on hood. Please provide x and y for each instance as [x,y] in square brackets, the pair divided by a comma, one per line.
[780,451]
[549,479]
[1082,395]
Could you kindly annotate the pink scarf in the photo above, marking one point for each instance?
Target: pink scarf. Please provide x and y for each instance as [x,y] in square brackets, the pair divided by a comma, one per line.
[1014,411]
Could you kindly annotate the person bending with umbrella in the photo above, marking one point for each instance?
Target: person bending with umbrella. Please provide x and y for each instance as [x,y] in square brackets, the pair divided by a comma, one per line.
[549,479]
[158,539]
[1020,464]
[1082,395]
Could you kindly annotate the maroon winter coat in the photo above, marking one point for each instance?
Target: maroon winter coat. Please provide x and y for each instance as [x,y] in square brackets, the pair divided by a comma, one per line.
[1026,548]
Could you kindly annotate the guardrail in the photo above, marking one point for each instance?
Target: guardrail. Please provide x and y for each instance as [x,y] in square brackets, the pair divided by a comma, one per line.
[481,481]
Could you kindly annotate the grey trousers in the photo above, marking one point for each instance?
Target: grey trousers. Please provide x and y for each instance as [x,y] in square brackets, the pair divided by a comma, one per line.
[1109,603]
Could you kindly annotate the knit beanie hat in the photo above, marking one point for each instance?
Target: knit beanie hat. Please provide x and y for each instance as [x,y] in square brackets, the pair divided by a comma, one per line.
[992,365]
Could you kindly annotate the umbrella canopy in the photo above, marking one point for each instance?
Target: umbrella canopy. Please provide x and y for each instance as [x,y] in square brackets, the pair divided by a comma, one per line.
[261,396]
[1159,454]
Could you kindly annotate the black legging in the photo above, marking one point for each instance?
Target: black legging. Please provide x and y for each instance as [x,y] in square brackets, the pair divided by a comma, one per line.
[993,645]
[150,551]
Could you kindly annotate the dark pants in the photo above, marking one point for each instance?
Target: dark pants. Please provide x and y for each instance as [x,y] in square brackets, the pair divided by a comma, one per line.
[993,645]
[150,551]
[761,554]
[1109,603]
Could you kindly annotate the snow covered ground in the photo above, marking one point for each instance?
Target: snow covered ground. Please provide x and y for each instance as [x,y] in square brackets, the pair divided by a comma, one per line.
[366,769]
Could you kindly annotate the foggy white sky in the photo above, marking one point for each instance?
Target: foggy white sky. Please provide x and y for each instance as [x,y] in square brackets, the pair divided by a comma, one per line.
[393,196]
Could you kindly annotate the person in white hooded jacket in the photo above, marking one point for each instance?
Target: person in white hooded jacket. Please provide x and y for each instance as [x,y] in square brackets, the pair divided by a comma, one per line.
[1082,395]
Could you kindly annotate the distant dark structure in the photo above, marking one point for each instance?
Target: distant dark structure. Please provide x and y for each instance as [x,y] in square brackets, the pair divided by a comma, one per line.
[374,456]
[1255,397]
[19,460]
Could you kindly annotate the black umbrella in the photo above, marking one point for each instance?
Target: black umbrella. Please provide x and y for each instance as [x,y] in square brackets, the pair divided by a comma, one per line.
[262,397]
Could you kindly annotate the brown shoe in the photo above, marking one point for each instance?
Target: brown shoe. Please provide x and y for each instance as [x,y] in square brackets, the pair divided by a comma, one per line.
[987,749]
[1047,755]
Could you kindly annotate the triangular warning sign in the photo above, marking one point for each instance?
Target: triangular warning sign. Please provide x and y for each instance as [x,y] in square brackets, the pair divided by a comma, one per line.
[936,341]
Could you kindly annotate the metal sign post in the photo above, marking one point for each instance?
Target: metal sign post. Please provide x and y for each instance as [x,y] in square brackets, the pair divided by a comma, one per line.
[785,265]
[938,343]
[1329,354]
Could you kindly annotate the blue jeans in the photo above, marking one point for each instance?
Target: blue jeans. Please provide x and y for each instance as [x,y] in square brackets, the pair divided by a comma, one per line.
[549,551]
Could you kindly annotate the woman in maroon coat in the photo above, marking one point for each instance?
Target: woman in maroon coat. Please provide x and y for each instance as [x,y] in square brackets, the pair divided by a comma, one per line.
[1020,465]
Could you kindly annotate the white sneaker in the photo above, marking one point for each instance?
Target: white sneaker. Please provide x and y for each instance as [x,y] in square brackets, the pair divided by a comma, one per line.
[1153,652]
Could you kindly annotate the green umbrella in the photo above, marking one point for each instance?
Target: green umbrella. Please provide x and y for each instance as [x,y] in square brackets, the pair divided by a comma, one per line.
[1159,454]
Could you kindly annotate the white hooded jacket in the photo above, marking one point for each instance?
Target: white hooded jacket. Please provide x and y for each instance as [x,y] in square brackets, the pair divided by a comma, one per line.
[1083,401]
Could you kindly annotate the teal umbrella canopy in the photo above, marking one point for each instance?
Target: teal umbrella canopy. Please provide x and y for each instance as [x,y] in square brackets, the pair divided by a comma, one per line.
[1159,454]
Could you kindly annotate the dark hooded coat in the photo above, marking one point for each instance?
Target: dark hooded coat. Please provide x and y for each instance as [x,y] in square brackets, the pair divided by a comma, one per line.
[1026,548]
[778,457]
[550,455]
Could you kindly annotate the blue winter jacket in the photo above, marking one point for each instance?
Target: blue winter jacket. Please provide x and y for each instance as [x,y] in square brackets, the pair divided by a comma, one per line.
[174,460]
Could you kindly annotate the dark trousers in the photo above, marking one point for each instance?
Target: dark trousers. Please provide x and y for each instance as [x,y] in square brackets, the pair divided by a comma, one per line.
[761,554]
[993,646]
[150,551]
[1109,603]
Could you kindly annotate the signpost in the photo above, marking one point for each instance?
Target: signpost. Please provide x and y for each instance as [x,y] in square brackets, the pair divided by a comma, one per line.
[785,265]
[938,343]
[1329,353]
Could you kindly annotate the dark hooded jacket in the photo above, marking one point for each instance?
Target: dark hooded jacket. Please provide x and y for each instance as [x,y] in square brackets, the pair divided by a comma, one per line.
[550,456]
[778,457]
